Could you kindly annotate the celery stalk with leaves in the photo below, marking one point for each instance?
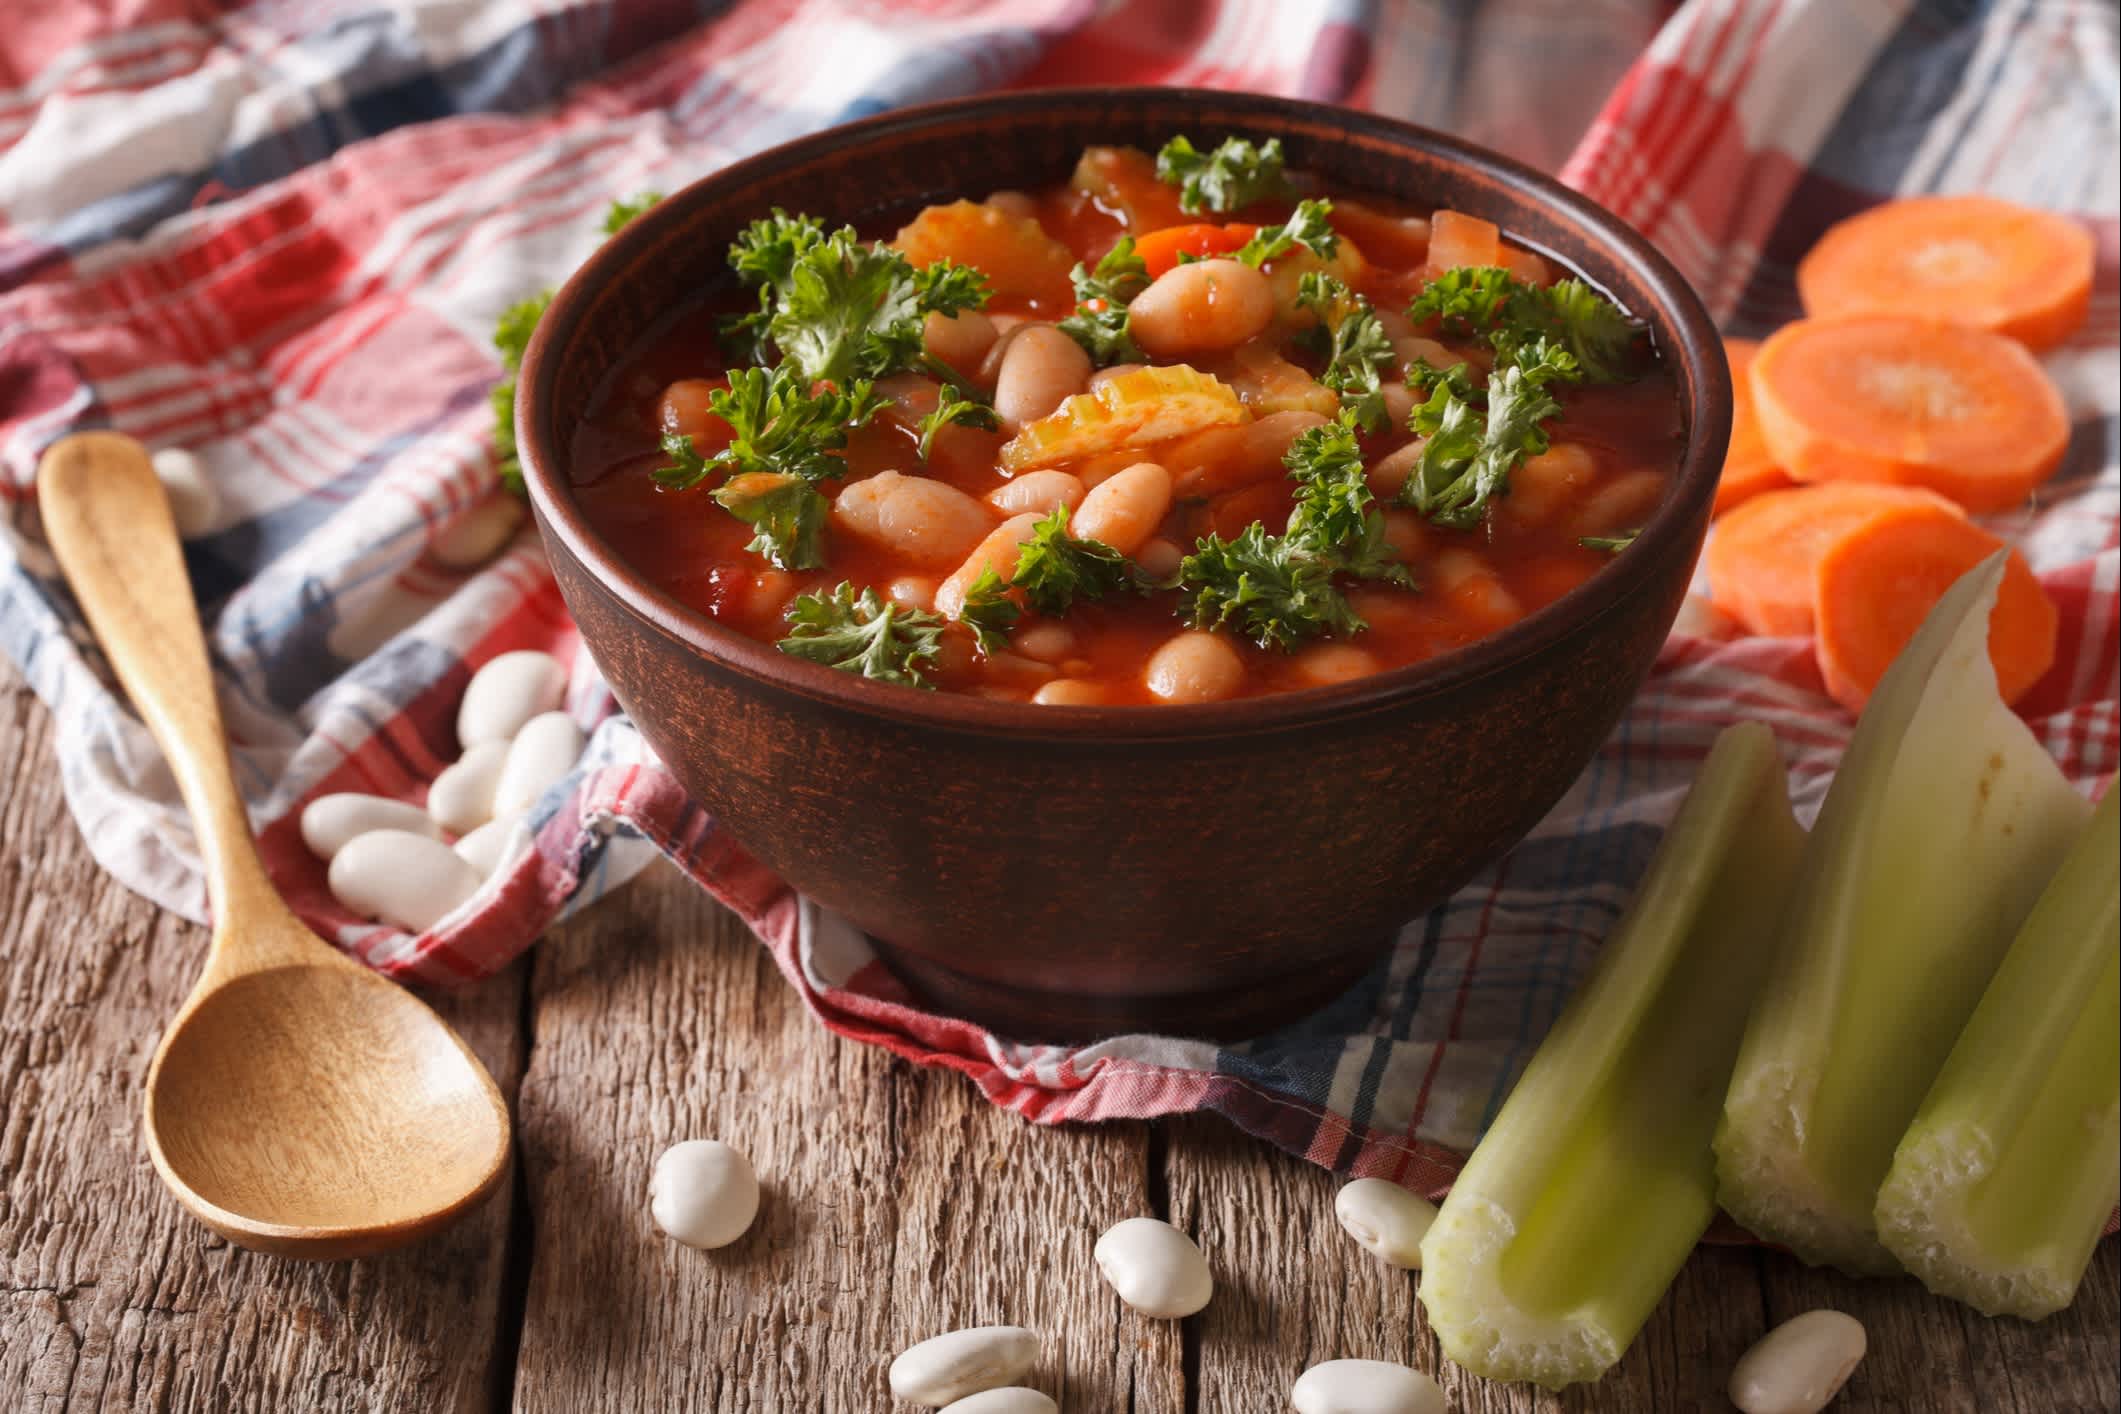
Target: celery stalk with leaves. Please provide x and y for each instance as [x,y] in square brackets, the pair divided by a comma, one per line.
[1583,1199]
[2001,1187]
[1943,823]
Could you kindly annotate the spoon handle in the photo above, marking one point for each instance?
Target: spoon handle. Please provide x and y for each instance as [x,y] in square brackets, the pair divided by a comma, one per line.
[109,523]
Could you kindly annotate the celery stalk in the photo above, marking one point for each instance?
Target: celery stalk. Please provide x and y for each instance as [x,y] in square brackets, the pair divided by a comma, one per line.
[1943,823]
[1582,1201]
[2000,1188]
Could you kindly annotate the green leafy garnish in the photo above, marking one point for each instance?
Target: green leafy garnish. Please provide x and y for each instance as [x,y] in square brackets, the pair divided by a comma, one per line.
[781,427]
[961,407]
[627,210]
[865,633]
[1100,322]
[1611,544]
[1488,301]
[787,513]
[1054,569]
[1307,227]
[1469,454]
[1354,344]
[1234,175]
[1333,499]
[989,611]
[1276,590]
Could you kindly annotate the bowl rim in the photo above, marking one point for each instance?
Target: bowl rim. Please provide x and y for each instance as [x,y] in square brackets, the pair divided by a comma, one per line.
[1694,349]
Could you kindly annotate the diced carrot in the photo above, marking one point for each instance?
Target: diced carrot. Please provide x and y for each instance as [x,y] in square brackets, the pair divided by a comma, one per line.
[1400,242]
[1748,468]
[1269,502]
[1909,402]
[1526,266]
[1456,239]
[1762,557]
[1160,250]
[1970,260]
[1014,252]
[1123,181]
[1878,581]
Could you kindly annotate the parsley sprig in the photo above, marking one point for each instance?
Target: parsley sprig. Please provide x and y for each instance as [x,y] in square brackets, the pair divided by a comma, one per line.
[1234,175]
[1476,439]
[1054,568]
[1100,322]
[863,633]
[989,611]
[1307,226]
[1488,301]
[1354,344]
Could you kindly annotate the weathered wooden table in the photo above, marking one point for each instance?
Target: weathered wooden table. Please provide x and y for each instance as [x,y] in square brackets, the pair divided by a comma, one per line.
[898,1204]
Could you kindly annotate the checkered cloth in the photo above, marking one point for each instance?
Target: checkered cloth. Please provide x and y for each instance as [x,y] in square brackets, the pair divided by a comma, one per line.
[280,237]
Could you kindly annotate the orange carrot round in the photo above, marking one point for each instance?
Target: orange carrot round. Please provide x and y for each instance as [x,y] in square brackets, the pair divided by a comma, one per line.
[1160,250]
[1909,402]
[1748,467]
[1972,260]
[1879,580]
[1456,239]
[1762,557]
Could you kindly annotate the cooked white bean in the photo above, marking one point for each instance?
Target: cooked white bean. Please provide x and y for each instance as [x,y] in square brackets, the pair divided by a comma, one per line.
[1125,508]
[924,520]
[1624,503]
[1798,1367]
[1385,1219]
[1399,401]
[1201,307]
[1194,666]
[1366,1387]
[1042,368]
[915,591]
[1044,642]
[407,880]
[1038,492]
[543,752]
[479,534]
[461,798]
[1405,535]
[1324,664]
[507,692]
[329,821]
[485,848]
[960,340]
[1013,1400]
[949,1367]
[1390,471]
[703,1193]
[997,552]
[193,502]
[1118,370]
[1159,557]
[1410,347]
[1545,485]
[1154,1267]
[1069,692]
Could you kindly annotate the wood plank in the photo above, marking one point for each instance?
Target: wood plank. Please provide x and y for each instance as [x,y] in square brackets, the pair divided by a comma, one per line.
[898,1203]
[111,1297]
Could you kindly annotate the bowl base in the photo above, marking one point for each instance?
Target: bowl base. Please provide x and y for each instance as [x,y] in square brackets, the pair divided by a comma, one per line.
[1039,1015]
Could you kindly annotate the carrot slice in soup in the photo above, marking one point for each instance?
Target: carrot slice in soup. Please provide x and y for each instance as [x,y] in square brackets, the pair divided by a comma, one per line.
[1014,252]
[1971,260]
[1160,250]
[1909,402]
[1762,557]
[1748,467]
[1876,584]
[1456,239]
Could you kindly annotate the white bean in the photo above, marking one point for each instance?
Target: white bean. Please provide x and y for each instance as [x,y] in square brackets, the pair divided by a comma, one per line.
[1117,370]
[997,552]
[193,502]
[408,880]
[1159,557]
[1366,1387]
[703,1193]
[543,752]
[487,847]
[949,1367]
[1201,307]
[329,821]
[1390,471]
[1013,1400]
[1385,1219]
[1038,492]
[1044,642]
[507,692]
[915,591]
[1194,666]
[960,340]
[1042,368]
[929,522]
[1069,692]
[1154,1267]
[1125,508]
[461,798]
[1798,1367]
[479,534]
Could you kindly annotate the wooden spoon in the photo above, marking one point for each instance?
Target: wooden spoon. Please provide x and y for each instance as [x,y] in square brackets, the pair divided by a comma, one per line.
[299,1103]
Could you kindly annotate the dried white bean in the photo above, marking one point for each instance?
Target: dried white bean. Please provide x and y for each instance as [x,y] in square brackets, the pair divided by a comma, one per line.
[1366,1387]
[412,881]
[1201,307]
[1069,692]
[193,502]
[507,692]
[1037,492]
[1013,1400]
[542,752]
[461,798]
[480,533]
[960,340]
[1386,1219]
[1194,666]
[1124,509]
[1159,557]
[703,1193]
[329,821]
[1044,642]
[1798,1367]
[1042,368]
[928,521]
[996,552]
[949,1367]
[486,847]
[1154,1267]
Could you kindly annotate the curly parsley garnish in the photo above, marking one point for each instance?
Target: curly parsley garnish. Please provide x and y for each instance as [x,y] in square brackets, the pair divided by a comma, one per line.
[1307,227]
[862,633]
[787,513]
[1470,451]
[1054,569]
[989,611]
[1100,322]
[960,407]
[1611,544]
[1234,175]
[1488,301]
[1354,344]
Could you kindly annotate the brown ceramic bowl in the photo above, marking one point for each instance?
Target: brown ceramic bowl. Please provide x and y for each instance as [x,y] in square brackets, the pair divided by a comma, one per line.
[1058,873]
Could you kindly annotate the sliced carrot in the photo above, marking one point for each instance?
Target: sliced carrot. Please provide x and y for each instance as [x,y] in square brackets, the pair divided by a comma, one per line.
[1748,467]
[1013,252]
[1879,580]
[1909,402]
[1456,239]
[1160,250]
[1971,260]
[1762,557]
